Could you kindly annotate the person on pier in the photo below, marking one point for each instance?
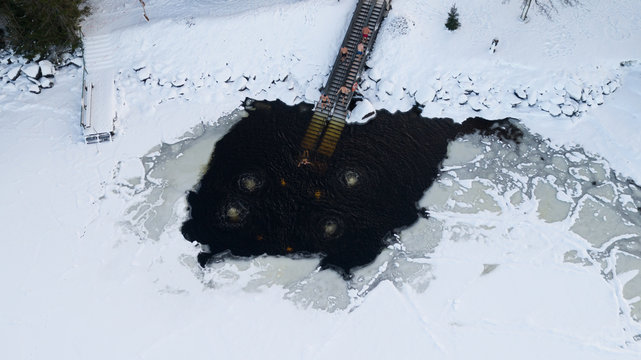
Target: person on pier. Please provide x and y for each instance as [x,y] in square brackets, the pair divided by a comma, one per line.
[360,50]
[344,52]
[366,33]
[343,91]
[324,101]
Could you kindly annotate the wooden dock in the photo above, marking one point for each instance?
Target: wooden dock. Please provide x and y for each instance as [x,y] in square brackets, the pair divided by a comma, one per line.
[328,121]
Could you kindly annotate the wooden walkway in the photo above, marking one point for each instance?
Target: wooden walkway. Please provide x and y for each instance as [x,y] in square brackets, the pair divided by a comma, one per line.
[98,107]
[328,121]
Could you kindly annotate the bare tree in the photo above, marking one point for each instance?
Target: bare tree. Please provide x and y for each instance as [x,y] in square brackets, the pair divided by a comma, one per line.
[144,11]
[547,7]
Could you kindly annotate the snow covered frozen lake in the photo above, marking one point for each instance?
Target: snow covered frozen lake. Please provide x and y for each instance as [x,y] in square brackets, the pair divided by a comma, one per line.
[531,251]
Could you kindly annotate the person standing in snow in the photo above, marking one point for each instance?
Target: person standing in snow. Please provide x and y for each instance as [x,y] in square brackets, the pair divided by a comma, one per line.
[495,43]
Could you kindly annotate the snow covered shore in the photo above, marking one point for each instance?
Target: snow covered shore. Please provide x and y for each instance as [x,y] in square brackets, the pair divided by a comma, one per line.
[81,281]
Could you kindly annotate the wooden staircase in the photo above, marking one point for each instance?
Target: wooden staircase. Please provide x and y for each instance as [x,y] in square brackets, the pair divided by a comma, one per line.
[314,131]
[328,122]
[331,137]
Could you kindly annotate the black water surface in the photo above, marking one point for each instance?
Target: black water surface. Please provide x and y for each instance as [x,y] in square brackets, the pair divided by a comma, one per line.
[255,199]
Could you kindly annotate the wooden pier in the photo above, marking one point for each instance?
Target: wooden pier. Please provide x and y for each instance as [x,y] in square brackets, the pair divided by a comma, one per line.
[329,119]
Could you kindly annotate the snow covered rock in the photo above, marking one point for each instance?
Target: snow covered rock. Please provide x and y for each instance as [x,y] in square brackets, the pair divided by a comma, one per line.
[425,95]
[432,110]
[312,94]
[520,93]
[445,95]
[590,100]
[32,70]
[555,110]
[33,81]
[200,82]
[598,99]
[514,102]
[629,63]
[605,89]
[574,91]
[532,98]
[492,103]
[240,83]
[387,87]
[614,85]
[438,85]
[34,89]
[583,107]
[46,68]
[585,95]
[467,87]
[14,72]
[557,99]
[545,106]
[462,99]
[77,61]
[568,110]
[66,58]
[224,74]
[374,74]
[143,74]
[362,113]
[283,75]
[366,84]
[476,104]
[179,81]
[573,104]
[46,83]
[400,92]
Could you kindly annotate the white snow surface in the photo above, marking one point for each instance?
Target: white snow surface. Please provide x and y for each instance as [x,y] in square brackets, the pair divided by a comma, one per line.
[80,282]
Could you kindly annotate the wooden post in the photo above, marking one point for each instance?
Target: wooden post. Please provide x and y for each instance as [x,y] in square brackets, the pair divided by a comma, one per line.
[525,9]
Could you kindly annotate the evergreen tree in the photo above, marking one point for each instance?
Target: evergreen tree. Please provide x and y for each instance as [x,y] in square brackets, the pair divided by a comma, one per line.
[45,27]
[452,19]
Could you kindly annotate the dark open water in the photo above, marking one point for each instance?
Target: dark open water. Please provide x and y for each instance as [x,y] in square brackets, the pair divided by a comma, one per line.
[254,199]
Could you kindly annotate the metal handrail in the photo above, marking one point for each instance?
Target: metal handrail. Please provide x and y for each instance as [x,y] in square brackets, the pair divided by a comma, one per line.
[331,111]
[337,61]
[374,3]
[334,97]
[367,18]
[83,106]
